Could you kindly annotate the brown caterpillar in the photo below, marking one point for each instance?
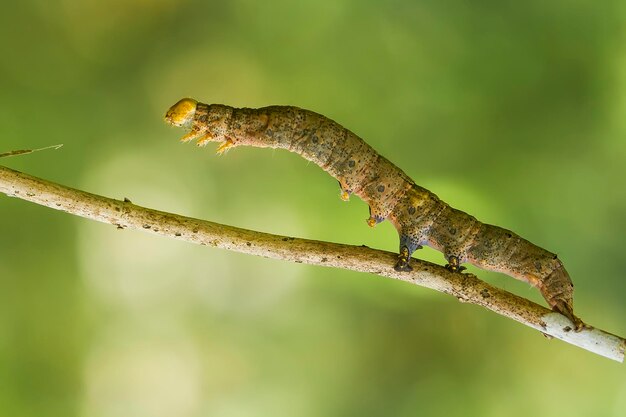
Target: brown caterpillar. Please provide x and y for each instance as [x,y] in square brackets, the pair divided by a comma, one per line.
[420,217]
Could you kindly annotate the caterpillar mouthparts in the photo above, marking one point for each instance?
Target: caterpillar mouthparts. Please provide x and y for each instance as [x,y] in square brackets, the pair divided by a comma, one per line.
[181,113]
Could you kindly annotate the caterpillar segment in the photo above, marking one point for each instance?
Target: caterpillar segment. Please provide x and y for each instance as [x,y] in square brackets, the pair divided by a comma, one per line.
[419,216]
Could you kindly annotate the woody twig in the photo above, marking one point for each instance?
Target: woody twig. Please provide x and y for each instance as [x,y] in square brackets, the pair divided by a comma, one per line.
[465,287]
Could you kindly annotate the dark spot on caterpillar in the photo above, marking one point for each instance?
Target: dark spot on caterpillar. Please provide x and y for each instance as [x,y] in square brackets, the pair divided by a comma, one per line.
[146,226]
[508,235]
[285,239]
[381,188]
[485,293]
[554,257]
[324,259]
[314,139]
[351,163]
[177,234]
[567,329]
[411,210]
[248,244]
[195,230]
[116,208]
[126,200]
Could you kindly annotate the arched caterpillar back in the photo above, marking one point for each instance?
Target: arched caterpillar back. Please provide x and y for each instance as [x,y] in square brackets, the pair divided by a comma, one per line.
[420,217]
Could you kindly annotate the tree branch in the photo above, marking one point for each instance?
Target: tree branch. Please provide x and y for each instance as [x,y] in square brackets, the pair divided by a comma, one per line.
[466,287]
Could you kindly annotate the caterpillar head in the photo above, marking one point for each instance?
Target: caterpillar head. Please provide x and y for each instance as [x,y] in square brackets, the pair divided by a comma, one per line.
[204,123]
[182,113]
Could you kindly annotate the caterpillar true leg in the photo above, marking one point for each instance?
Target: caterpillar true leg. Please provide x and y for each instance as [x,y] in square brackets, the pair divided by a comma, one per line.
[204,140]
[226,145]
[194,134]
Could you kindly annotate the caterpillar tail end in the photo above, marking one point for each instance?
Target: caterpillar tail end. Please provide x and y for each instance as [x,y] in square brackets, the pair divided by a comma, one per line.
[558,291]
[565,309]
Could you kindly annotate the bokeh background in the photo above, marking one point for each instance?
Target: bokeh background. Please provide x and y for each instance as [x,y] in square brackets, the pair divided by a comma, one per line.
[512,111]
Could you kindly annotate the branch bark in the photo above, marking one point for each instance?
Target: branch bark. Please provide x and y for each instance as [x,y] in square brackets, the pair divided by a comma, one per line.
[466,287]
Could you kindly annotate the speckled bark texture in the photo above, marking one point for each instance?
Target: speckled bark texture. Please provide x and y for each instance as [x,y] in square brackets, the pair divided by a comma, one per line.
[420,217]
[467,288]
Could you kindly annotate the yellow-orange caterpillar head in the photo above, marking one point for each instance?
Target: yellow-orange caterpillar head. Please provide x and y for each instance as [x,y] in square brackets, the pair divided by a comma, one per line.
[182,113]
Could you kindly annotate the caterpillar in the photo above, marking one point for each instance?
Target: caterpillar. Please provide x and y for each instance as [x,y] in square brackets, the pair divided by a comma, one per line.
[419,216]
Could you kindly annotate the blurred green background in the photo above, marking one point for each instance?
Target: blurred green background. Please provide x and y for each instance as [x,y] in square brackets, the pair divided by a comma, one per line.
[512,111]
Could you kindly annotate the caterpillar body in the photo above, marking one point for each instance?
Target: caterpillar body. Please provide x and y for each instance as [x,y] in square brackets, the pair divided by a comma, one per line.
[419,216]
